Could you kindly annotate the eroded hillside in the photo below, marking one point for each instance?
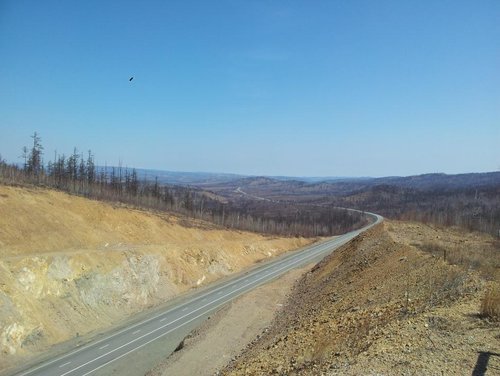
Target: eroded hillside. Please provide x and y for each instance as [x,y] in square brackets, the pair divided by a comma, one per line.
[71,266]
[402,298]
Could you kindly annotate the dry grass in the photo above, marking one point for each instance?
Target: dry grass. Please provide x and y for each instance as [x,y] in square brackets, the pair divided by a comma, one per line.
[490,306]
[485,260]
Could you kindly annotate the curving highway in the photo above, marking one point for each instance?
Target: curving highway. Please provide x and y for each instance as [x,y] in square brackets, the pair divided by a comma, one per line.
[98,356]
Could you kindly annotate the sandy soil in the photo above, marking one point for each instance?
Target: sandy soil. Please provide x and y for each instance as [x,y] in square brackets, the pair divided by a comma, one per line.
[71,266]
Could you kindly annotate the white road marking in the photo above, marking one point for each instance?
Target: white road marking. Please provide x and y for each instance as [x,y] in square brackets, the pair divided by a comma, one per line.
[85,347]
[312,252]
[180,318]
[163,319]
[184,309]
[103,347]
[64,365]
[309,249]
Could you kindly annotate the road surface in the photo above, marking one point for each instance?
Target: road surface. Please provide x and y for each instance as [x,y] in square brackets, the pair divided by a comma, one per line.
[100,355]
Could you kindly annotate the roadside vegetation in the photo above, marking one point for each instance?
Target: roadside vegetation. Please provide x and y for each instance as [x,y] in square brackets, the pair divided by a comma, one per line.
[490,307]
[484,260]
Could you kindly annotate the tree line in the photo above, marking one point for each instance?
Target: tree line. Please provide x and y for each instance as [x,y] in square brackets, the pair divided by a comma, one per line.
[475,209]
[78,174]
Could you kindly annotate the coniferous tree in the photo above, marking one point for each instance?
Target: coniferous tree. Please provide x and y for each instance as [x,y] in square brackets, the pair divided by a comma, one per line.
[24,156]
[34,163]
[90,168]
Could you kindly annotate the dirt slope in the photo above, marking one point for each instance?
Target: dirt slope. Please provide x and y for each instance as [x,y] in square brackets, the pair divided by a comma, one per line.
[70,266]
[384,305]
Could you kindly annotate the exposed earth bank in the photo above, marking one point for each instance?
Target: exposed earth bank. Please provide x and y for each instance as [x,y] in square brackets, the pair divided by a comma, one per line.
[71,266]
[401,299]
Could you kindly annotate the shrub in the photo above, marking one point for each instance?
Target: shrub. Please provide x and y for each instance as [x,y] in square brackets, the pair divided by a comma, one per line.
[490,306]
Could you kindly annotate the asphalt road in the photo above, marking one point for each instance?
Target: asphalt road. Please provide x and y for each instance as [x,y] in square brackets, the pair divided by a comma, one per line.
[96,357]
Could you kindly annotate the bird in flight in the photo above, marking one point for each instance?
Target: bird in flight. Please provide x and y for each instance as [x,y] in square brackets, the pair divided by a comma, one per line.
[131,78]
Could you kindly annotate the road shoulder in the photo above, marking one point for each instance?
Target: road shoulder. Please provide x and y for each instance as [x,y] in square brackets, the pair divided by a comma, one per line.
[228,332]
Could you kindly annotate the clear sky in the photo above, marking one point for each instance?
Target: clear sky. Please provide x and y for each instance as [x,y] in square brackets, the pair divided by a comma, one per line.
[301,88]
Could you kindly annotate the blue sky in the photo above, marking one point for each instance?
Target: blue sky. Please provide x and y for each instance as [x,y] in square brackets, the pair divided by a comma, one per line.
[301,88]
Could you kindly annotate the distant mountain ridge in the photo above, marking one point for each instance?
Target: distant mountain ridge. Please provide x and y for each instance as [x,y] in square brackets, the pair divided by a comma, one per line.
[440,180]
[204,178]
[270,187]
[423,181]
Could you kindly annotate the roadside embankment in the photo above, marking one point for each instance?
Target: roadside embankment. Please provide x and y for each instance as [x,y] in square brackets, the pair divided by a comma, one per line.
[71,266]
[402,298]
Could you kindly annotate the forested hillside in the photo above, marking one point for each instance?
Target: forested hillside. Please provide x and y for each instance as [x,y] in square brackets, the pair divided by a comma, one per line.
[471,201]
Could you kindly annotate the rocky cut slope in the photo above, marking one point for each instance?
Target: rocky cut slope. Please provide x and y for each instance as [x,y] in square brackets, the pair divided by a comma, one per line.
[71,266]
[387,303]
